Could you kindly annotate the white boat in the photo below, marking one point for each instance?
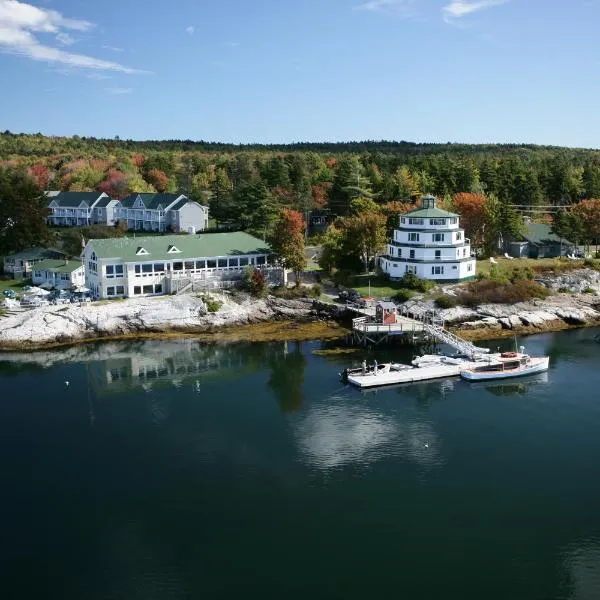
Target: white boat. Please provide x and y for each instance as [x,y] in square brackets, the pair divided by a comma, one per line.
[506,365]
[427,360]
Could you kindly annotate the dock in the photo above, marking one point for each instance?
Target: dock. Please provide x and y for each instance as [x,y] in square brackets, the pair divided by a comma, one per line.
[410,375]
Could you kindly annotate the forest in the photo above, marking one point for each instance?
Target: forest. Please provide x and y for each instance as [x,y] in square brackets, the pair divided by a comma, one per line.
[247,186]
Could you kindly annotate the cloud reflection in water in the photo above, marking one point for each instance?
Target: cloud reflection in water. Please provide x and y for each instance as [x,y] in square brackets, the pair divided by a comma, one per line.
[339,435]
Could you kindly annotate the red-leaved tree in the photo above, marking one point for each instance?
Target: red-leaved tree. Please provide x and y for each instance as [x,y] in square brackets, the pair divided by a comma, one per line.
[288,241]
[157,179]
[472,211]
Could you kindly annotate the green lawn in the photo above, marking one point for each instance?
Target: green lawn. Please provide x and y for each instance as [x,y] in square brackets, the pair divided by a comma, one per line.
[380,287]
[14,284]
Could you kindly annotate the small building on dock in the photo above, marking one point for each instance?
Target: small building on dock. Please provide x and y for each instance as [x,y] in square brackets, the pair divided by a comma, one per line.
[386,312]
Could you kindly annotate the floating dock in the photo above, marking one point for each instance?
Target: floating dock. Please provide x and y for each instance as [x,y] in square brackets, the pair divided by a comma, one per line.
[409,375]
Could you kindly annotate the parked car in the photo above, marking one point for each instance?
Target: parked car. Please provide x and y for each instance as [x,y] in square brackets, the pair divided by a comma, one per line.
[9,294]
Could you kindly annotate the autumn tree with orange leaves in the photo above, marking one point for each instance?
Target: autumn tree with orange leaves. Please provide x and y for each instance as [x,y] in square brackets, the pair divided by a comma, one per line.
[288,241]
[587,212]
[473,216]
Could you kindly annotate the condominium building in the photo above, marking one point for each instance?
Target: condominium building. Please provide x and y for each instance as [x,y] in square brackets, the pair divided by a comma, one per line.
[162,212]
[71,209]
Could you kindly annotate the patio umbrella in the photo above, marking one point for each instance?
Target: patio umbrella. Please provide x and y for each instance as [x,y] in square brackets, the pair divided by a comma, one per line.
[81,289]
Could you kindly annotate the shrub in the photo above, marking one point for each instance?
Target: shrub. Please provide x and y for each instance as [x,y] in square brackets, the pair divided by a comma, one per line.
[316,291]
[402,296]
[521,273]
[499,292]
[446,301]
[410,281]
[212,304]
[564,289]
[255,281]
[589,290]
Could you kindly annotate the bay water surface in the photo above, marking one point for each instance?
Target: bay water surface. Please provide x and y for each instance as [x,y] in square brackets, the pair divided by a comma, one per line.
[176,469]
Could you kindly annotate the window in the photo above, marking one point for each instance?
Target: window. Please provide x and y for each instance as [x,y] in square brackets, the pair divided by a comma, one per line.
[148,289]
[412,254]
[211,264]
[437,270]
[110,271]
[158,288]
[190,265]
[65,276]
[177,266]
[413,221]
[411,269]
[110,291]
[453,221]
[413,237]
[399,252]
[120,290]
[147,268]
[438,255]
[93,257]
[458,236]
[469,267]
[243,262]
[38,274]
[234,262]
[119,270]
[437,221]
[137,290]
[200,264]
[260,260]
[222,263]
[464,251]
[138,268]
[438,237]
[159,267]
[403,220]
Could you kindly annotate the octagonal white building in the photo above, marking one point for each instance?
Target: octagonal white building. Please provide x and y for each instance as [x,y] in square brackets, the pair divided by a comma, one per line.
[429,243]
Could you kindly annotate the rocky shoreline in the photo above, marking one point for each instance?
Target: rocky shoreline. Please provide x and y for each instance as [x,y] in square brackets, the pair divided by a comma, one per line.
[574,303]
[50,326]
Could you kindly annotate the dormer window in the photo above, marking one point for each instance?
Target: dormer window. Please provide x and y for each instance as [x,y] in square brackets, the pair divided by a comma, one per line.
[173,250]
[141,251]
[139,203]
[428,202]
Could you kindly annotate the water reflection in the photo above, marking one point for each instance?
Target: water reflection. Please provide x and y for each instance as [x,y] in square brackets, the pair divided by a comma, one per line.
[287,376]
[337,434]
[582,565]
[512,387]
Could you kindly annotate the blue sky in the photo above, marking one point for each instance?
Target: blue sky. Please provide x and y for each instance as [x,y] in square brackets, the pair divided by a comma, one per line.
[279,71]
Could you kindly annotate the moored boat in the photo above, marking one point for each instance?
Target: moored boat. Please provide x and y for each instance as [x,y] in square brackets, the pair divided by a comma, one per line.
[506,365]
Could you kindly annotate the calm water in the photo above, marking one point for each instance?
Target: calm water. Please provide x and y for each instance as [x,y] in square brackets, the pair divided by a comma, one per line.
[176,470]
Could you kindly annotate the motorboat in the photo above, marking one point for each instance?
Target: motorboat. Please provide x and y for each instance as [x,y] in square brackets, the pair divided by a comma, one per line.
[506,365]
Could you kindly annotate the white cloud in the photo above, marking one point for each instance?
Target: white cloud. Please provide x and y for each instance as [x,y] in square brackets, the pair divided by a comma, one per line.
[191,30]
[405,8]
[461,8]
[19,22]
[65,39]
[113,48]
[118,91]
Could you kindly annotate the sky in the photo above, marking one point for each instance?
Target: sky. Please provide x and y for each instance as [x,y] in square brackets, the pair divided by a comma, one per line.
[282,71]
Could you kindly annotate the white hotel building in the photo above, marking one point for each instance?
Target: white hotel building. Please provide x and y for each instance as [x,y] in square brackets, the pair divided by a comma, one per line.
[430,244]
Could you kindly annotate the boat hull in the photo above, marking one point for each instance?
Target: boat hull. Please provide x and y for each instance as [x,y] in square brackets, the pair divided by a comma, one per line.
[538,365]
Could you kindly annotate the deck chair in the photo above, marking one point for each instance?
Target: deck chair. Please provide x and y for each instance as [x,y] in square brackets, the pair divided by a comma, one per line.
[493,260]
[508,256]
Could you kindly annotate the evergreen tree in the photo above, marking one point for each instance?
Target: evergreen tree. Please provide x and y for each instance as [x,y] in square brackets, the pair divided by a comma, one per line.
[23,211]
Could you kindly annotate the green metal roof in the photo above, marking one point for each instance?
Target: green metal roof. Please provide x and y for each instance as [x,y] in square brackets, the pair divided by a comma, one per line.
[190,246]
[36,254]
[429,210]
[58,266]
[104,202]
[74,199]
[540,234]
[150,200]
[429,213]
